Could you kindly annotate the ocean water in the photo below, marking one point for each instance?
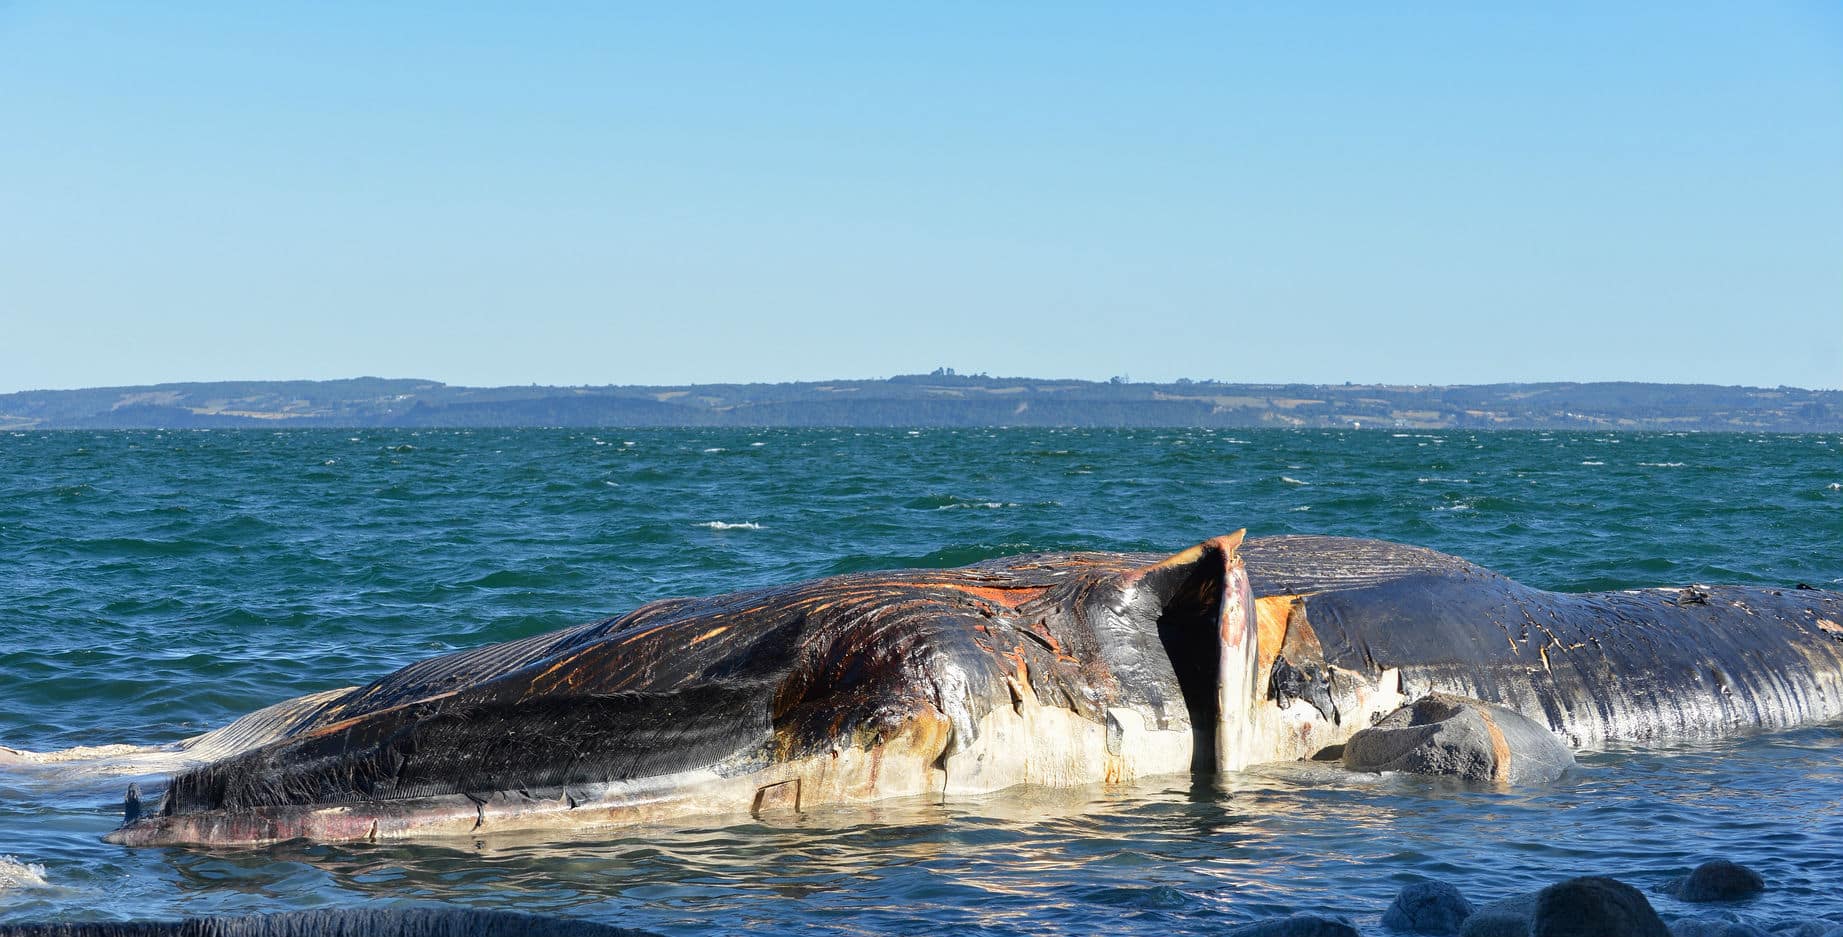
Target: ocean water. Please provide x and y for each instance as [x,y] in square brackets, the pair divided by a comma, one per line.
[157,584]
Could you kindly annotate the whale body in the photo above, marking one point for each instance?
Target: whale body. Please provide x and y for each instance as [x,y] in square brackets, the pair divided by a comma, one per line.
[1053,669]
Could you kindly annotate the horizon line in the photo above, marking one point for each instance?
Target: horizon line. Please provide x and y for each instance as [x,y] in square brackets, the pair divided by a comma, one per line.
[949,375]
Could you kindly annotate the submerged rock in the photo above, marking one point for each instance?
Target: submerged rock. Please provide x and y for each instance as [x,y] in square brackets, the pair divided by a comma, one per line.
[1428,908]
[1460,737]
[1299,925]
[1593,906]
[1505,917]
[1720,880]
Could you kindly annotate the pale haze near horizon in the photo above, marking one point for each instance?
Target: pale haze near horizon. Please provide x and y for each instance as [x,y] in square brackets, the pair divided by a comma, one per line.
[591,195]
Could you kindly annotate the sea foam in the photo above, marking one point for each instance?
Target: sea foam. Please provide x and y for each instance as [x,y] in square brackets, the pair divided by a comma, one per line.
[17,874]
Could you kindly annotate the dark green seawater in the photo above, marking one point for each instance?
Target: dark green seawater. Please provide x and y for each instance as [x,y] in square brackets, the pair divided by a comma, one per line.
[156,584]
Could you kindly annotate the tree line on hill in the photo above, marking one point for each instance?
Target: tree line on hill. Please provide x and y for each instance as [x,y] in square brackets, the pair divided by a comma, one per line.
[942,399]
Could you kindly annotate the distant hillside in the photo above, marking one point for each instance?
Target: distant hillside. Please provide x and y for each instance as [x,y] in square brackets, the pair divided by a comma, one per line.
[939,399]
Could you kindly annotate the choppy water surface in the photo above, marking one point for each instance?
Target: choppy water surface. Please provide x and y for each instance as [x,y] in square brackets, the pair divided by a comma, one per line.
[153,585]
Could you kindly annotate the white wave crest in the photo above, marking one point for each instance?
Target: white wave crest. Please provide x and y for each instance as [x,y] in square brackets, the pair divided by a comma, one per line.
[725,525]
[17,874]
[988,505]
[1591,462]
[1661,464]
[1293,481]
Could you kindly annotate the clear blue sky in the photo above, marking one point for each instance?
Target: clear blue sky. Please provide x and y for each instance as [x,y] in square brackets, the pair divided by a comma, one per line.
[664,193]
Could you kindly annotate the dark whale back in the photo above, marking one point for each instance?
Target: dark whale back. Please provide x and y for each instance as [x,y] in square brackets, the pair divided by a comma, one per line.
[1301,563]
[1597,666]
[733,683]
[1601,666]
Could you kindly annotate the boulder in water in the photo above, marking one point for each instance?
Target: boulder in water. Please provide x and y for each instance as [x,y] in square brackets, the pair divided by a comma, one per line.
[1720,880]
[1299,925]
[1505,917]
[1456,736]
[1592,906]
[1431,907]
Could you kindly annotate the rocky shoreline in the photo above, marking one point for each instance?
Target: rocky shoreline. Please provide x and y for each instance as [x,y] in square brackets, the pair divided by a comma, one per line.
[1588,906]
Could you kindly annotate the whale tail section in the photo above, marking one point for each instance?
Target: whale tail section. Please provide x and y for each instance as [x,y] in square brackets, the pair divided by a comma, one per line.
[252,730]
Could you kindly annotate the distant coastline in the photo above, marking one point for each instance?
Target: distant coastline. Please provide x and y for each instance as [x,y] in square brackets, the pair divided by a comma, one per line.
[941,399]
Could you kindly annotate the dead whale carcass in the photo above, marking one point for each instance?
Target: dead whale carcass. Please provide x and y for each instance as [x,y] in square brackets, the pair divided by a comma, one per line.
[1054,669]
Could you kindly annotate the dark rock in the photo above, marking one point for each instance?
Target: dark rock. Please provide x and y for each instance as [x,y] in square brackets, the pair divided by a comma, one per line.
[1712,927]
[1428,908]
[1592,906]
[1495,924]
[1459,737]
[1505,917]
[341,922]
[1299,925]
[1720,880]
